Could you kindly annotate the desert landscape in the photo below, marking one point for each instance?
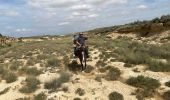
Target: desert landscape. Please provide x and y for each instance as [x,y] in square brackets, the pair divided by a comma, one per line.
[127,62]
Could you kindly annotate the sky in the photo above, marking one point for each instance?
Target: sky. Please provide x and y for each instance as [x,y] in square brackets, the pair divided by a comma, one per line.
[21,18]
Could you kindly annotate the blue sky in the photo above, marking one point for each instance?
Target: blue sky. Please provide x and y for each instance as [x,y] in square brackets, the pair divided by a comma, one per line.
[21,18]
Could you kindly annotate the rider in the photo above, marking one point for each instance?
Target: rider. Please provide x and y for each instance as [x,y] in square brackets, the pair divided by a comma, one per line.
[80,41]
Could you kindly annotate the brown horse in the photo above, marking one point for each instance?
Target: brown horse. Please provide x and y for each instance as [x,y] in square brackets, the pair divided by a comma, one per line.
[80,53]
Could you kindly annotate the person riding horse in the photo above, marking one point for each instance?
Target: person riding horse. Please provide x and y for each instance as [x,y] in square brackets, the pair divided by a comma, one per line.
[79,41]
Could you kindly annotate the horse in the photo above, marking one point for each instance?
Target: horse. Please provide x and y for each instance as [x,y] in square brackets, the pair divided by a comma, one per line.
[80,53]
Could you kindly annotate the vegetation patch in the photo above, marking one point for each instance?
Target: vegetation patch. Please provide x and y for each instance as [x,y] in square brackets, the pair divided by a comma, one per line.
[5,91]
[98,78]
[31,85]
[30,71]
[100,63]
[40,96]
[89,69]
[30,62]
[77,98]
[56,83]
[113,74]
[10,77]
[53,62]
[115,96]
[80,92]
[166,95]
[15,65]
[167,83]
[42,56]
[157,66]
[146,84]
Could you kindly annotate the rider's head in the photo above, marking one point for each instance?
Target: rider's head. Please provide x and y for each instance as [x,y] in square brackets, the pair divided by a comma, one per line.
[81,34]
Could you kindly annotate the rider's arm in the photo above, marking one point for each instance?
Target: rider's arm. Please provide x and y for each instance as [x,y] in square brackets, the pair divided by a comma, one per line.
[78,43]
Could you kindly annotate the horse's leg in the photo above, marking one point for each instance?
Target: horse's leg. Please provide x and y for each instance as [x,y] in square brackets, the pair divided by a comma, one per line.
[81,62]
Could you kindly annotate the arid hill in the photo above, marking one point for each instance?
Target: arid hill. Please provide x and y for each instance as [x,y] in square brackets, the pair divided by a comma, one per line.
[121,67]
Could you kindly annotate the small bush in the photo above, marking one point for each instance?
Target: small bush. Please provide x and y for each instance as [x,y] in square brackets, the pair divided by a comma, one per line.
[65,89]
[53,62]
[113,74]
[76,99]
[157,66]
[42,57]
[40,96]
[143,82]
[166,95]
[89,69]
[100,64]
[128,65]
[5,91]
[2,70]
[15,65]
[56,83]
[10,77]
[136,58]
[30,71]
[31,85]
[30,62]
[115,96]
[167,84]
[98,78]
[80,92]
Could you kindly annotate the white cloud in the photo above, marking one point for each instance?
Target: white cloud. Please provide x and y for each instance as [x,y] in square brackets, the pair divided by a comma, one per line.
[76,13]
[93,15]
[22,30]
[82,7]
[10,13]
[142,7]
[63,23]
[51,3]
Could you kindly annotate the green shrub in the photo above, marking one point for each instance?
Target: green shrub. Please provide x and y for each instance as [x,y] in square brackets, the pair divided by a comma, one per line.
[98,78]
[42,56]
[128,65]
[80,91]
[40,96]
[2,70]
[143,82]
[100,64]
[115,96]
[15,65]
[30,62]
[77,98]
[10,77]
[166,95]
[136,58]
[31,85]
[113,74]
[141,94]
[5,91]
[30,71]
[157,66]
[56,83]
[89,69]
[25,98]
[167,84]
[53,62]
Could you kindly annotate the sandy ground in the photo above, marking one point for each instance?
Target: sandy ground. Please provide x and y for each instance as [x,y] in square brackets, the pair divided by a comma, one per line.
[94,90]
